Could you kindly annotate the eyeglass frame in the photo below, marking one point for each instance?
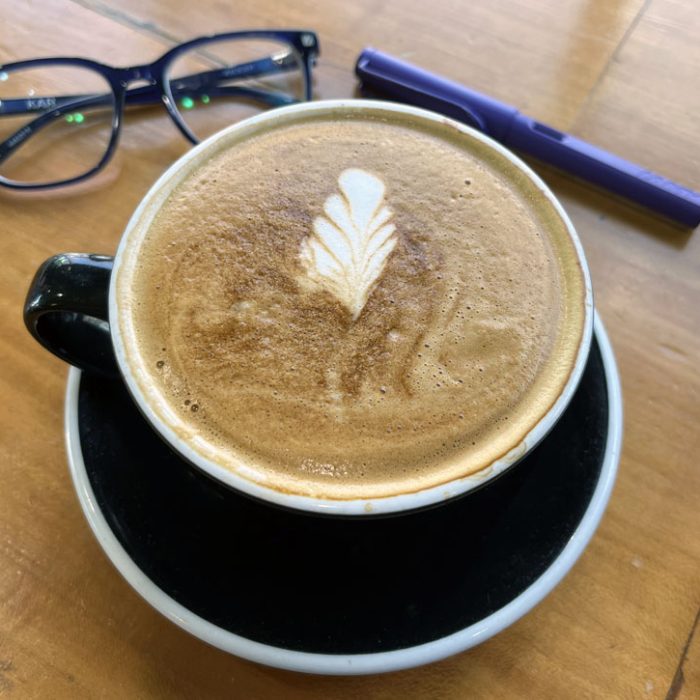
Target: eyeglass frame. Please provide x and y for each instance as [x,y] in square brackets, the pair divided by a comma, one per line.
[304,42]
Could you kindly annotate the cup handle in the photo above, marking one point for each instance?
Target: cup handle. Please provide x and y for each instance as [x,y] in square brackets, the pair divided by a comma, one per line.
[66,310]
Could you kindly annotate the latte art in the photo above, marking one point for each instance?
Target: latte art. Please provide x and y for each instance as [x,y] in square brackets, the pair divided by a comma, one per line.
[348,251]
[392,309]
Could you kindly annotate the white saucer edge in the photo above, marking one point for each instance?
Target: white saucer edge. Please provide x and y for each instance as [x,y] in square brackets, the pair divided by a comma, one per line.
[355,664]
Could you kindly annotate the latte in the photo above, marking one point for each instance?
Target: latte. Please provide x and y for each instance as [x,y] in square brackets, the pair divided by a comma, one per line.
[352,306]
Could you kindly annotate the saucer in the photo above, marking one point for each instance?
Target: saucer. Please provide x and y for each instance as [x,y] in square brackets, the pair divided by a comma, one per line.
[341,596]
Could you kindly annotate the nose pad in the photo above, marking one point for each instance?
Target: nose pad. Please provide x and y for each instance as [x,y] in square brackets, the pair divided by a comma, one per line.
[142,87]
[175,116]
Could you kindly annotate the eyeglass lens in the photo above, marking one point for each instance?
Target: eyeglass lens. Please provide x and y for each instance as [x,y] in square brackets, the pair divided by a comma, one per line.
[55,122]
[223,81]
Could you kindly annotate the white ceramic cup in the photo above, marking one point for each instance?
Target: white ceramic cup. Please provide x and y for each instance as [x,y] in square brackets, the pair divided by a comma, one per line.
[78,327]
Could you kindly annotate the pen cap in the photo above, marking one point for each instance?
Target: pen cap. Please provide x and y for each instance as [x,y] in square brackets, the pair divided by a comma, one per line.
[419,87]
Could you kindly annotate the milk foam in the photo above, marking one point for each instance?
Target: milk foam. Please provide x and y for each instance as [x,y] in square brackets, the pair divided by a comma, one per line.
[392,309]
[346,254]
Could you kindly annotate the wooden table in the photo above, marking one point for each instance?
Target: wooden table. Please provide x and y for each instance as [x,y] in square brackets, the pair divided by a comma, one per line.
[624,75]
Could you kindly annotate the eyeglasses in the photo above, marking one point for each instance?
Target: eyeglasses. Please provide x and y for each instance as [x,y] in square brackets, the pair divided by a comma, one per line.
[60,118]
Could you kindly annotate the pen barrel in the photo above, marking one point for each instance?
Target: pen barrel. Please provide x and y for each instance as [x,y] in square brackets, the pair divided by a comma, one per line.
[604,169]
[506,124]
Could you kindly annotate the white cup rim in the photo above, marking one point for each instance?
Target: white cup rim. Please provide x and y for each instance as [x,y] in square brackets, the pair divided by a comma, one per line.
[356,506]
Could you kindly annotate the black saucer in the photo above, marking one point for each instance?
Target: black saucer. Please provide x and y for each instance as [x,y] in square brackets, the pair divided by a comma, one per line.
[308,584]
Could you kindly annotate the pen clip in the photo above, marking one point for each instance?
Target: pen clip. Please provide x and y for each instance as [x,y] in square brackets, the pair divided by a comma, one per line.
[405,92]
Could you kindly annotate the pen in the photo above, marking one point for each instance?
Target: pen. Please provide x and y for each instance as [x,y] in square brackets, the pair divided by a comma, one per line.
[504,123]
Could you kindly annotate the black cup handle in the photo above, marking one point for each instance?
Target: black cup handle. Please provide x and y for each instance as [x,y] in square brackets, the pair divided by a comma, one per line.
[67,311]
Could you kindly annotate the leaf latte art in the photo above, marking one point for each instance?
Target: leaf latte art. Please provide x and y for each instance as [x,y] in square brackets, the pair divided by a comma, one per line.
[347,251]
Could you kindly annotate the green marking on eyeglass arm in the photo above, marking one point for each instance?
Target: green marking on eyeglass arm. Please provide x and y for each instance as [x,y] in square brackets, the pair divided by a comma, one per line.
[69,118]
[187,102]
[78,118]
[205,99]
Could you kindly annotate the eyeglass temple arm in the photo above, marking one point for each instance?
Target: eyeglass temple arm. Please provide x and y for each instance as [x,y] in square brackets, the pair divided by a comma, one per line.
[26,131]
[197,84]
[270,65]
[150,94]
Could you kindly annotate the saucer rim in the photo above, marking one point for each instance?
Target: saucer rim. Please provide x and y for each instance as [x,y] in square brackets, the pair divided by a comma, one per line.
[373,662]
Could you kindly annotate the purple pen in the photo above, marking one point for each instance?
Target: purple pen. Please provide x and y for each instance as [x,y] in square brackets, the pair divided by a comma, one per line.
[408,83]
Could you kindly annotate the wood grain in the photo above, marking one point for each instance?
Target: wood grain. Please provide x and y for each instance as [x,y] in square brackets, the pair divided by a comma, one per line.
[623,75]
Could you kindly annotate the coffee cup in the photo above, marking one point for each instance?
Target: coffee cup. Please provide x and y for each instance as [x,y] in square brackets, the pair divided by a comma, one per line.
[350,308]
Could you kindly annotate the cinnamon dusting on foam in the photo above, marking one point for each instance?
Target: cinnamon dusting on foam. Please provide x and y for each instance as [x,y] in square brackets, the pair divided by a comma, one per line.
[462,341]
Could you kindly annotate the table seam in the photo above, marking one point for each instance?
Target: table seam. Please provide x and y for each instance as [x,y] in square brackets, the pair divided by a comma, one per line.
[678,677]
